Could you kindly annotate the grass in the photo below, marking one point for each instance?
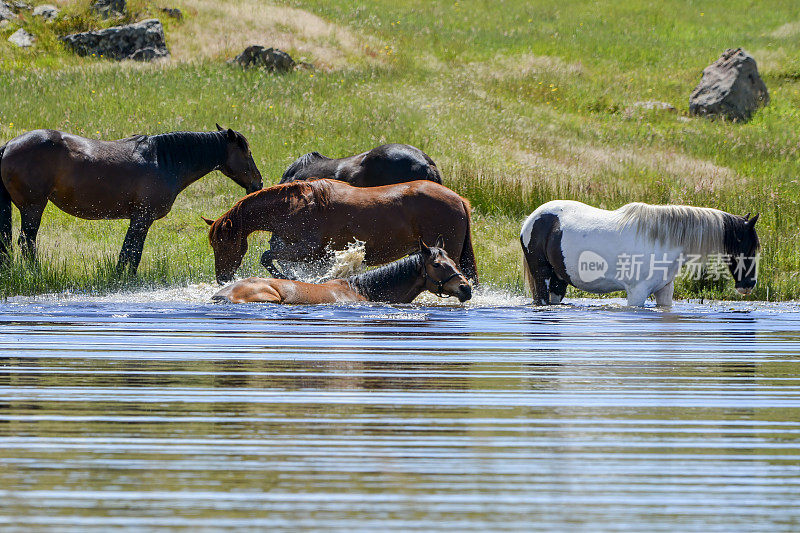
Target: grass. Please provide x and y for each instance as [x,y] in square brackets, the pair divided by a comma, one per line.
[518,104]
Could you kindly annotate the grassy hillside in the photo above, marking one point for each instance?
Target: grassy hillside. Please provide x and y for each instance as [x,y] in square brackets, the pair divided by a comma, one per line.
[518,102]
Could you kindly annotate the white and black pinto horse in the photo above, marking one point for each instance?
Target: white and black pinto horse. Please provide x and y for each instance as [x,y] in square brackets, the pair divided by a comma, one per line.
[639,248]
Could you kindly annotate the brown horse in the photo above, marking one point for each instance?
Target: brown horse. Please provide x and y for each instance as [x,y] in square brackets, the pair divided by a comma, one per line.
[313,217]
[399,282]
[136,178]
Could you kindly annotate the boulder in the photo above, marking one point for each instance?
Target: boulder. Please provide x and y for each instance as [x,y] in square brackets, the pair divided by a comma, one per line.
[730,87]
[22,38]
[47,11]
[271,59]
[109,8]
[173,12]
[21,6]
[6,13]
[143,41]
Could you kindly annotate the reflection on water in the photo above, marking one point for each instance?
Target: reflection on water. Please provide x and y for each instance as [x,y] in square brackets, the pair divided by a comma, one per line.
[145,415]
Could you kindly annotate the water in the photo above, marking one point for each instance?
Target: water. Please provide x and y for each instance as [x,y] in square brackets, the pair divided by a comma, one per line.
[160,411]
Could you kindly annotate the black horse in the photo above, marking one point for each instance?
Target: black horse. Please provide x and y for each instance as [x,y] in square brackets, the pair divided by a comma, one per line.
[136,178]
[387,164]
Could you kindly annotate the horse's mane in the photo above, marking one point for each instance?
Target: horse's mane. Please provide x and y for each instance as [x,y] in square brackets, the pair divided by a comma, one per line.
[182,151]
[377,284]
[302,162]
[698,230]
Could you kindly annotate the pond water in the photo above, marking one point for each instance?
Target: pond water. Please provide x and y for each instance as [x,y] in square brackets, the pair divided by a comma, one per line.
[158,410]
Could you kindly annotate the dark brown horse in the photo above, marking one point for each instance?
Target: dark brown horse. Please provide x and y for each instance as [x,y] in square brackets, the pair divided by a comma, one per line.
[136,178]
[313,217]
[385,165]
[399,282]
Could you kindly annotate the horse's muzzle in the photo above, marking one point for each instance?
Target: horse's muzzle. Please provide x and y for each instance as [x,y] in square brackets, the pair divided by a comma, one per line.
[464,292]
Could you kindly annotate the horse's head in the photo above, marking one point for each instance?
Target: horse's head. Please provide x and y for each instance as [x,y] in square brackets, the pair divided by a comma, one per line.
[229,245]
[239,165]
[742,248]
[442,276]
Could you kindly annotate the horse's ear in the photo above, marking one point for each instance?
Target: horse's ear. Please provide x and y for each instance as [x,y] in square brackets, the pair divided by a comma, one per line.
[220,128]
[424,247]
[439,242]
[752,221]
[207,220]
[231,135]
[747,216]
[227,227]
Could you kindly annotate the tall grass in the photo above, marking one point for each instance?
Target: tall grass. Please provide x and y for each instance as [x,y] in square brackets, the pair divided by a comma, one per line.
[518,105]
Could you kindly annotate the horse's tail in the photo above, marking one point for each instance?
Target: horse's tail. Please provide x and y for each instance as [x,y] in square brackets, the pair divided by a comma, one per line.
[434,174]
[467,262]
[5,216]
[527,275]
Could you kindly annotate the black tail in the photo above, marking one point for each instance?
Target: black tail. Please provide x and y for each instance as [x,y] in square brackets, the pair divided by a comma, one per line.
[467,261]
[434,174]
[5,217]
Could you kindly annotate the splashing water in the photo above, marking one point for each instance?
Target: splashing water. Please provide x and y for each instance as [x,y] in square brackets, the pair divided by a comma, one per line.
[346,262]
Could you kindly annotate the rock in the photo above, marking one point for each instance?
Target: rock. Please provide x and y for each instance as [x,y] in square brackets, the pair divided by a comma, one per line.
[21,6]
[108,8]
[654,105]
[6,13]
[173,12]
[638,108]
[730,87]
[22,38]
[271,59]
[143,41]
[47,11]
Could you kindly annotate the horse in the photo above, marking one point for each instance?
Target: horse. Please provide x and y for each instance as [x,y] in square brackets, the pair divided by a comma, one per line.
[137,178]
[399,282]
[639,248]
[312,217]
[385,165]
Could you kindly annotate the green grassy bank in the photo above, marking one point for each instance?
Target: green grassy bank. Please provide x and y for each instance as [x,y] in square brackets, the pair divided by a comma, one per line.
[518,102]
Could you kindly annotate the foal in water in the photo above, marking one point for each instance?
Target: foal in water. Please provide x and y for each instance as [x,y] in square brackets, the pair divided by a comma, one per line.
[136,178]
[399,282]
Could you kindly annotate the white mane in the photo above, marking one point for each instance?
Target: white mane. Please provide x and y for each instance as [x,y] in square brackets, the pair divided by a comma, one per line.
[697,230]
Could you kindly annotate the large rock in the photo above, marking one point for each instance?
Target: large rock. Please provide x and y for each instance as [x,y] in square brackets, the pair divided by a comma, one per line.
[109,8]
[730,87]
[271,59]
[22,38]
[6,13]
[143,41]
[47,11]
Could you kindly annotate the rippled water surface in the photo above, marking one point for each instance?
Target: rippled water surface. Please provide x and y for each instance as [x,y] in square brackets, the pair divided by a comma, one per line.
[160,411]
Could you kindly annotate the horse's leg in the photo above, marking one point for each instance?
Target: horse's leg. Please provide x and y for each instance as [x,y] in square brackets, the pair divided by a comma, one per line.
[131,253]
[269,257]
[558,288]
[638,294]
[664,295]
[31,218]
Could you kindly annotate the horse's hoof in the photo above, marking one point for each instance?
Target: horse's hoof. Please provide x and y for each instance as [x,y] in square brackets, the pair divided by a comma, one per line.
[266,260]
